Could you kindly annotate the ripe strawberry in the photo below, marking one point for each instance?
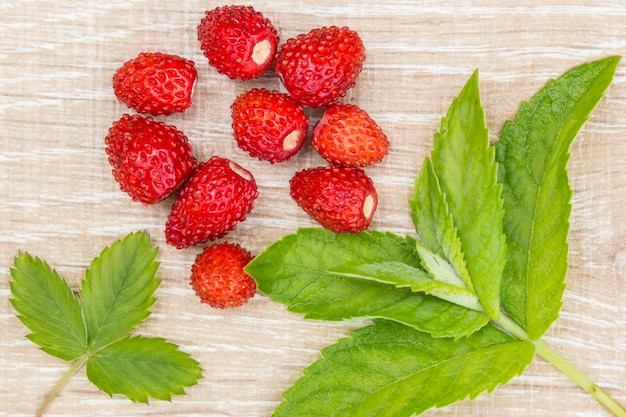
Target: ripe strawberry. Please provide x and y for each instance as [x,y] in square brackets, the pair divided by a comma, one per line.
[268,125]
[156,83]
[347,135]
[238,41]
[318,68]
[342,199]
[219,194]
[150,159]
[218,278]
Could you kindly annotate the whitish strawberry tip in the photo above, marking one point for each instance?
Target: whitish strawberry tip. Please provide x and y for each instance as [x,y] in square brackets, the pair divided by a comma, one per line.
[369,204]
[245,174]
[262,52]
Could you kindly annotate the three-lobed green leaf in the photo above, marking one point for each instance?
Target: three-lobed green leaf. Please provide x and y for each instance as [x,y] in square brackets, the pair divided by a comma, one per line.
[115,297]
[532,153]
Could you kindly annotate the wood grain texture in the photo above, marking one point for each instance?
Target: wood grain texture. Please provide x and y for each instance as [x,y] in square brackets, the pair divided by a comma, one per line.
[59,200]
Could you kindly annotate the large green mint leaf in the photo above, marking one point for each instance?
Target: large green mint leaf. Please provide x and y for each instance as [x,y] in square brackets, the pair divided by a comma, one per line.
[48,308]
[392,370]
[294,271]
[457,206]
[118,289]
[142,368]
[532,154]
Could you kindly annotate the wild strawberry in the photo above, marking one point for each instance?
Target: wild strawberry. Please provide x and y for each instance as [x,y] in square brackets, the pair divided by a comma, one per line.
[342,199]
[150,159]
[347,135]
[156,83]
[268,125]
[318,68]
[238,41]
[218,195]
[218,278]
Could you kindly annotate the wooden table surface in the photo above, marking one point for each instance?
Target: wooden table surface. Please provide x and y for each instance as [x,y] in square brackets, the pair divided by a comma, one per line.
[59,200]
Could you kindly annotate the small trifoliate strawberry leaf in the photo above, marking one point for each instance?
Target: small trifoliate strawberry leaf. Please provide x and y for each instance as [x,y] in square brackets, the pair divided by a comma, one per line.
[392,370]
[142,368]
[115,297]
[47,307]
[457,200]
[118,289]
[532,154]
[294,271]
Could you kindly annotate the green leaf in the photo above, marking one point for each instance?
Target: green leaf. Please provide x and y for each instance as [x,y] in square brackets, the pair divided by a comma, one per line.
[392,370]
[434,223]
[142,368]
[532,154]
[118,289]
[115,296]
[294,271]
[405,276]
[457,206]
[47,307]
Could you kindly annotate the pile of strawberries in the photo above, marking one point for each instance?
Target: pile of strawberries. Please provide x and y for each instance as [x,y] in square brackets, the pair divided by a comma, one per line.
[152,160]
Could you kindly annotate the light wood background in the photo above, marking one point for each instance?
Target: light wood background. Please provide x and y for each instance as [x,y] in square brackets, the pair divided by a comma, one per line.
[58,199]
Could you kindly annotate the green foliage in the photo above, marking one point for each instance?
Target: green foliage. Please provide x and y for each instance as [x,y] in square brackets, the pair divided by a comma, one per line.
[393,370]
[532,154]
[460,311]
[118,289]
[140,367]
[115,297]
[457,207]
[47,306]
[296,271]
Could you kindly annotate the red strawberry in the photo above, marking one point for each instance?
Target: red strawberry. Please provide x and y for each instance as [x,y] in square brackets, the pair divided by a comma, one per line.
[342,199]
[238,41]
[347,135]
[219,194]
[269,125]
[156,83]
[318,68]
[150,159]
[218,278]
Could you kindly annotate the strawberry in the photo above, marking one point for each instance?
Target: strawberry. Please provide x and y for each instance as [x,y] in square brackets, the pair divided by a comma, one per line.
[342,199]
[156,83]
[218,278]
[238,41]
[218,195]
[150,159]
[318,67]
[347,135]
[268,125]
